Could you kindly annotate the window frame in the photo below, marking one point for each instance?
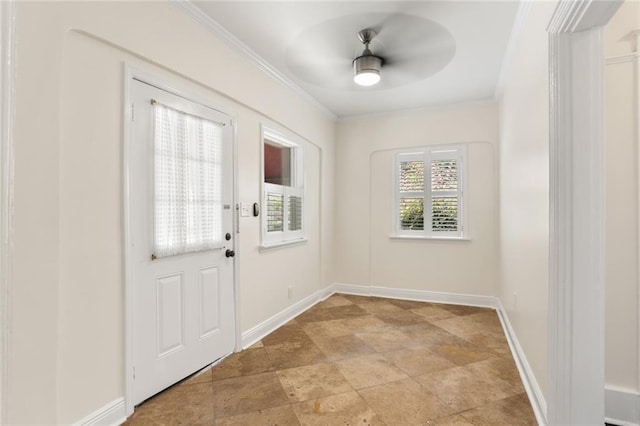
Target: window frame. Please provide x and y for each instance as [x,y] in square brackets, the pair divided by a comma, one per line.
[427,154]
[270,239]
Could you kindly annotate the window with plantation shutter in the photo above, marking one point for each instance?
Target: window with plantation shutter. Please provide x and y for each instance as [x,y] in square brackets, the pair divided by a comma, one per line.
[429,192]
[283,189]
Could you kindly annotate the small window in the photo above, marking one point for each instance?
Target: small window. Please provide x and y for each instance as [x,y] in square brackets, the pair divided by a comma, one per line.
[429,192]
[283,183]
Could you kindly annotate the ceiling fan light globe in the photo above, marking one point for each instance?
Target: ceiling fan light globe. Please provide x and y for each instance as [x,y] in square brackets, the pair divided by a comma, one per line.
[367,78]
[366,70]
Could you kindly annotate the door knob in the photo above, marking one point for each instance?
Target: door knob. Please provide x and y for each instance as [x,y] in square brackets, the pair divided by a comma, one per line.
[229,253]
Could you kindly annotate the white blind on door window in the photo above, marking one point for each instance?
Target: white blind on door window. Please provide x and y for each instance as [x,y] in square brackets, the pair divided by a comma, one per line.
[187,182]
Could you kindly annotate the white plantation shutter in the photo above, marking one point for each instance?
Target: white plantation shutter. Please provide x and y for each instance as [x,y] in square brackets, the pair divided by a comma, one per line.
[445,192]
[429,202]
[283,199]
[187,182]
[411,188]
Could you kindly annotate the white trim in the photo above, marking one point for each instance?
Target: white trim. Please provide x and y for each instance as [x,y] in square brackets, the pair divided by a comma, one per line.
[622,59]
[622,406]
[131,73]
[256,333]
[7,110]
[282,244]
[417,295]
[420,238]
[114,413]
[232,41]
[512,46]
[536,397]
[576,219]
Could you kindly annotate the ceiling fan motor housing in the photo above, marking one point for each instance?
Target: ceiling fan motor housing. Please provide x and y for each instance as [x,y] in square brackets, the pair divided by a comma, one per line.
[367,63]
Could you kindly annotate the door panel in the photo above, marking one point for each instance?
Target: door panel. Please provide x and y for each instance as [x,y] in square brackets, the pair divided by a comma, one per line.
[183,304]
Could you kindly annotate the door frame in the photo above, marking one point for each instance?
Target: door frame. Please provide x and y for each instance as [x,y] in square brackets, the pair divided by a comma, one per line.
[7,108]
[576,211]
[131,73]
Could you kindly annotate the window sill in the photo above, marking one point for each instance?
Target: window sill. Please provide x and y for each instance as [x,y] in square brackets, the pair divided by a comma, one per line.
[421,238]
[276,246]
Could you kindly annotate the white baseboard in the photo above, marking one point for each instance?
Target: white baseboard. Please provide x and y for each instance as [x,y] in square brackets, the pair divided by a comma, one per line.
[113,413]
[621,406]
[256,333]
[418,295]
[538,403]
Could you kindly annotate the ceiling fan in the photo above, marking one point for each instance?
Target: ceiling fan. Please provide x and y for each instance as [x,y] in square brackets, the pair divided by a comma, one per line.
[399,49]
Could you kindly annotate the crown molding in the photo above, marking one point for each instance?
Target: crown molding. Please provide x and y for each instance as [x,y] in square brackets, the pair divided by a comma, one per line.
[233,42]
[516,32]
[572,16]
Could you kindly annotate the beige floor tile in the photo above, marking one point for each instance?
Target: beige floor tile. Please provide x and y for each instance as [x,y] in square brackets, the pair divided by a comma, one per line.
[499,367]
[345,409]
[386,340]
[312,382]
[378,306]
[415,362]
[290,333]
[462,389]
[180,404]
[514,411]
[461,352]
[365,323]
[343,347]
[455,420]
[427,335]
[202,376]
[270,417]
[470,325]
[241,395]
[295,354]
[433,313]
[408,304]
[391,351]
[337,312]
[496,341]
[400,318]
[326,329]
[404,402]
[249,361]
[370,370]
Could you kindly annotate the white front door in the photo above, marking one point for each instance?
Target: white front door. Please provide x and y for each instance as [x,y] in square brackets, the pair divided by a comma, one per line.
[181,209]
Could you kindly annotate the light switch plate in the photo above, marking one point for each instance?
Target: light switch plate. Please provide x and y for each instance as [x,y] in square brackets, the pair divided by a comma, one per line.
[245,209]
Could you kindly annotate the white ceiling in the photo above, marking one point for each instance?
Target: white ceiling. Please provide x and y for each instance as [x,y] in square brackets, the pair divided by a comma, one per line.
[436,52]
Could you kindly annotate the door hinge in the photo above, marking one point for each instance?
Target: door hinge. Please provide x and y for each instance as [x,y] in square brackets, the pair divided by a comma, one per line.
[134,373]
[133,112]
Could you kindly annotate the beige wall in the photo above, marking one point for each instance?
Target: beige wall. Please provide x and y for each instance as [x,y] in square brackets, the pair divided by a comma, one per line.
[365,254]
[621,357]
[67,349]
[524,190]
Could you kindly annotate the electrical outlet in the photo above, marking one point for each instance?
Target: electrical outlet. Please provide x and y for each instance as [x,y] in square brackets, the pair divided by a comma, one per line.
[290,292]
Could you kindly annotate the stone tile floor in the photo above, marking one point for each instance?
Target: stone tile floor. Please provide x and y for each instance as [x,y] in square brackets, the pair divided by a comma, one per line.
[354,360]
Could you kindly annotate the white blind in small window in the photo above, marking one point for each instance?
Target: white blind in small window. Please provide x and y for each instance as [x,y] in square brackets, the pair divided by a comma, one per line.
[187,182]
